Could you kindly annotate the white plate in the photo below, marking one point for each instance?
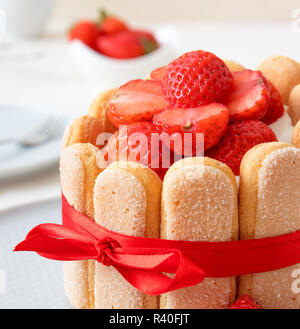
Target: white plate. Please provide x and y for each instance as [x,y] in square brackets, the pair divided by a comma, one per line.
[16,160]
[30,281]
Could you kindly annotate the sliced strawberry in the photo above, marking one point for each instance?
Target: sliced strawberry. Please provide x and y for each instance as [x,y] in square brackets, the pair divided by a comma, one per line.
[249,97]
[158,74]
[137,100]
[238,139]
[245,302]
[275,109]
[140,142]
[211,120]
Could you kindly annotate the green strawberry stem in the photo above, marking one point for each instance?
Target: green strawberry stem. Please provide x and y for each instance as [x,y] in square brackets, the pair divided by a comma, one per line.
[102,15]
[148,45]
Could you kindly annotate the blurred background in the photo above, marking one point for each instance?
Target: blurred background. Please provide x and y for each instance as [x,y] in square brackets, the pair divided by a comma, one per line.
[195,10]
[43,75]
[46,81]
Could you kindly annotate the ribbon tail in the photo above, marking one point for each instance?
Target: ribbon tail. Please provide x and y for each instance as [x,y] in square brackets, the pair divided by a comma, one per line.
[59,243]
[146,273]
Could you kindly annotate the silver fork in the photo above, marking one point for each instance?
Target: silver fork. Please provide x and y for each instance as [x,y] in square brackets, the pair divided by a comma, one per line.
[51,128]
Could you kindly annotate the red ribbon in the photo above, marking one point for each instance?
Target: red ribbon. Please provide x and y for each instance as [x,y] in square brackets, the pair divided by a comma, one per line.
[142,261]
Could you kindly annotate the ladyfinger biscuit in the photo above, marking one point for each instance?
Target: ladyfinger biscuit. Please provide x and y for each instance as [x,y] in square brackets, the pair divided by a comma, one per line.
[98,109]
[84,129]
[234,66]
[294,105]
[283,72]
[126,200]
[199,203]
[269,206]
[79,166]
[296,135]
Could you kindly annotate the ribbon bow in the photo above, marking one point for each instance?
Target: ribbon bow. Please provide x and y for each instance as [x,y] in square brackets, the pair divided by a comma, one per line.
[142,267]
[143,261]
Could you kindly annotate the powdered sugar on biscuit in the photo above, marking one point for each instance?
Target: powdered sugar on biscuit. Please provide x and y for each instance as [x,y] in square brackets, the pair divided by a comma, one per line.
[278,209]
[120,205]
[278,212]
[120,202]
[199,204]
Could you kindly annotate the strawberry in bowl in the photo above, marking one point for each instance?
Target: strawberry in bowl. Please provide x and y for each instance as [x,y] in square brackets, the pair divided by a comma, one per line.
[126,44]
[110,52]
[113,37]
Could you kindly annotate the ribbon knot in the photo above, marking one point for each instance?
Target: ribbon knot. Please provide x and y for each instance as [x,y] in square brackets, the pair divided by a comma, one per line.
[105,246]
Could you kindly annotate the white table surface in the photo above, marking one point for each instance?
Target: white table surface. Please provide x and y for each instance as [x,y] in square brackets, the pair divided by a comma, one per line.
[47,79]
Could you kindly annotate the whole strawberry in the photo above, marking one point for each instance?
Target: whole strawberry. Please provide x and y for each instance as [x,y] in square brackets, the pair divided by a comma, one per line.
[147,40]
[238,139]
[245,303]
[85,31]
[126,44]
[110,24]
[275,109]
[122,45]
[196,78]
[139,142]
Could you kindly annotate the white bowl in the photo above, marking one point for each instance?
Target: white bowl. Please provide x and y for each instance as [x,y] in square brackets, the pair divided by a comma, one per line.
[109,72]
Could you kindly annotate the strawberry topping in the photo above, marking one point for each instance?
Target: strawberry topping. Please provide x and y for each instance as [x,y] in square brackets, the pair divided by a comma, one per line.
[238,139]
[140,142]
[196,78]
[275,109]
[249,97]
[211,120]
[138,100]
[158,74]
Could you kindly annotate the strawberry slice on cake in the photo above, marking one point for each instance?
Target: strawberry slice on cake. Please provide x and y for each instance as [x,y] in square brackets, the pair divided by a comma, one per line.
[239,138]
[275,109]
[140,142]
[249,98]
[137,100]
[210,120]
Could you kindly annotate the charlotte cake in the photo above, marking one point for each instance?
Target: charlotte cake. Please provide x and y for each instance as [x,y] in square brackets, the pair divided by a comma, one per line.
[199,195]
